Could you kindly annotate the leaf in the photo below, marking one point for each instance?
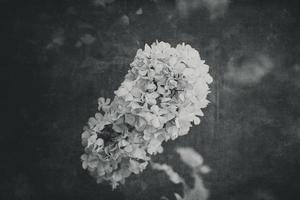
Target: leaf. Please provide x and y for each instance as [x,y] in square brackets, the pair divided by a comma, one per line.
[199,192]
[173,176]
[178,197]
[190,157]
[204,169]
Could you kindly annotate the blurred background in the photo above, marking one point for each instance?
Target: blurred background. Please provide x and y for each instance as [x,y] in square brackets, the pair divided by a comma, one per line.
[60,56]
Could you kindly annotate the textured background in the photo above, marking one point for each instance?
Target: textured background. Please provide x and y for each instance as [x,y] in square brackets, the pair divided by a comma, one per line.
[60,56]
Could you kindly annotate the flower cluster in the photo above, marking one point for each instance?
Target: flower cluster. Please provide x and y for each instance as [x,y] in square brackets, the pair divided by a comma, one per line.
[161,96]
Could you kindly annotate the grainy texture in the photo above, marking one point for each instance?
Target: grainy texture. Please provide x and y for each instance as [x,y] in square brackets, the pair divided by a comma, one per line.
[63,55]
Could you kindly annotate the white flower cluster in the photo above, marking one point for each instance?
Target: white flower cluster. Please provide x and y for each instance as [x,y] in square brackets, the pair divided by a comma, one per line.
[161,96]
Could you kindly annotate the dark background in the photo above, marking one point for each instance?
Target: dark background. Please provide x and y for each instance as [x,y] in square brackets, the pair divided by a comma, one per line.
[250,133]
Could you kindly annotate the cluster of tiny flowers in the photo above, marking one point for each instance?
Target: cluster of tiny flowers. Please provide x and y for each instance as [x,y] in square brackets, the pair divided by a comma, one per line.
[161,96]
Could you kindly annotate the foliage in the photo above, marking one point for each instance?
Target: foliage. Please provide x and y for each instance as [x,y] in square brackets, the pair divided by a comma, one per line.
[195,161]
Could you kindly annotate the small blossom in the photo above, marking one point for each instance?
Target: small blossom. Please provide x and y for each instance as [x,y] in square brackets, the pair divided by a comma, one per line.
[103,104]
